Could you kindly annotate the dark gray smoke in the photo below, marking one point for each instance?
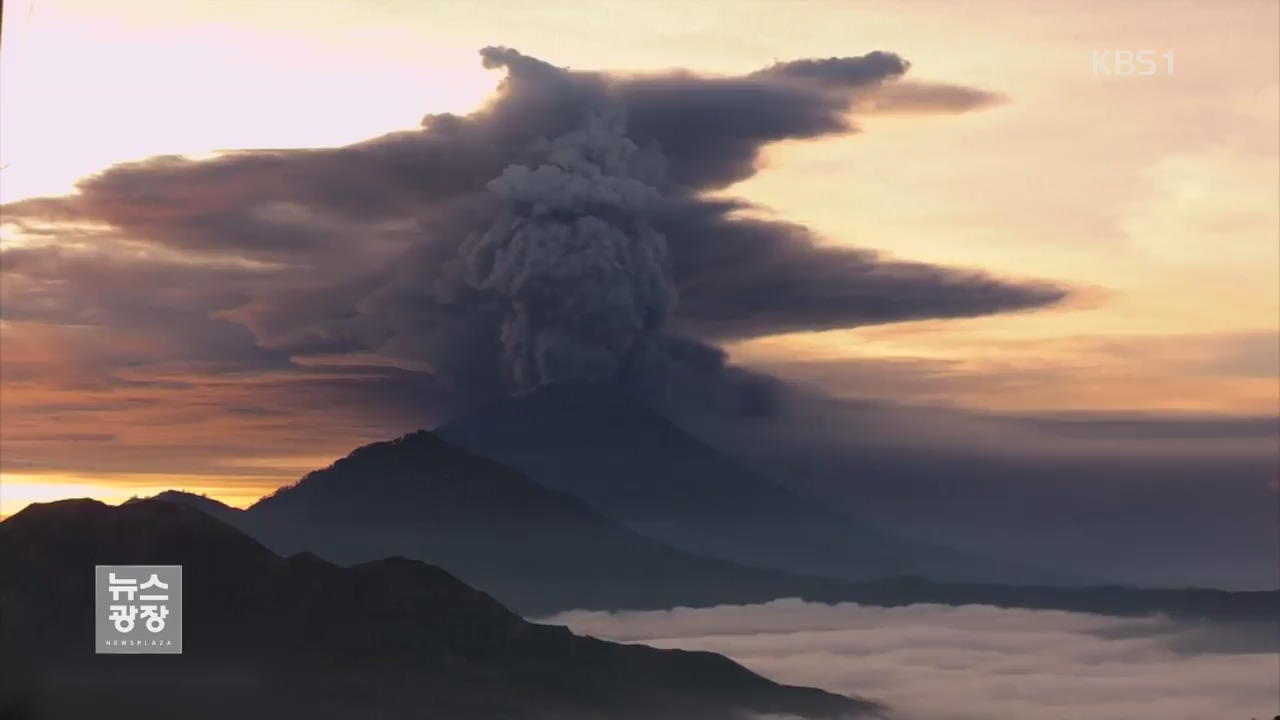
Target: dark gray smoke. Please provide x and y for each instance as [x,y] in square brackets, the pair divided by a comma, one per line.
[572,256]
[840,72]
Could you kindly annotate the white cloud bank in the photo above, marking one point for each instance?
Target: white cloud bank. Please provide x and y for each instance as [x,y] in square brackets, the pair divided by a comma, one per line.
[930,662]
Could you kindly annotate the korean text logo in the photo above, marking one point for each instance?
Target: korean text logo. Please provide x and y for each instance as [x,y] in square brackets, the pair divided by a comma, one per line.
[138,608]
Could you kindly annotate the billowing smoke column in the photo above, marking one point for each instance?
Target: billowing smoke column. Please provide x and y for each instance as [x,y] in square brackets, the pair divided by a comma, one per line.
[583,275]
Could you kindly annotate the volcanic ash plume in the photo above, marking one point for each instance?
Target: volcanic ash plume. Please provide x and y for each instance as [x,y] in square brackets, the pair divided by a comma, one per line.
[581,275]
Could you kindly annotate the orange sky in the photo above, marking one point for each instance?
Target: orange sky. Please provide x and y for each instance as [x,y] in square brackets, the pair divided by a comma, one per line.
[1154,197]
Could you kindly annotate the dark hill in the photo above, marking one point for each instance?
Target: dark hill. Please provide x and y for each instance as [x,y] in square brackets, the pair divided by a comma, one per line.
[269,637]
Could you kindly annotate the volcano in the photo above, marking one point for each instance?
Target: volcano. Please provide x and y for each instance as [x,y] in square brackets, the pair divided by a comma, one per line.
[537,550]
[597,443]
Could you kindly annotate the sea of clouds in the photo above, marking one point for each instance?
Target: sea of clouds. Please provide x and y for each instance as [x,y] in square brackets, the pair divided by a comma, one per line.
[931,662]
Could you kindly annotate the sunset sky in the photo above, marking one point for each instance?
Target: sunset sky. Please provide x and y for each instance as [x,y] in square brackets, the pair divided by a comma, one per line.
[1153,200]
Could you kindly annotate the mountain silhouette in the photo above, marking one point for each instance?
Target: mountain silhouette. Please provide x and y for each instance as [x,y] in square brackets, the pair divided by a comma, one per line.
[270,637]
[597,443]
[539,551]
[536,550]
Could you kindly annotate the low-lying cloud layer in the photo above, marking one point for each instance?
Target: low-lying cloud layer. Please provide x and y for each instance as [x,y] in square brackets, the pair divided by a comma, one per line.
[931,662]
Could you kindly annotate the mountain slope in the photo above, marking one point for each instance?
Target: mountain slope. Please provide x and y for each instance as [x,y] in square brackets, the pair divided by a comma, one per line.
[596,443]
[536,550]
[266,637]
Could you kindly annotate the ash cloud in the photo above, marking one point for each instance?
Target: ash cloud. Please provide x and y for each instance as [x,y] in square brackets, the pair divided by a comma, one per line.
[581,273]
[560,232]
[839,72]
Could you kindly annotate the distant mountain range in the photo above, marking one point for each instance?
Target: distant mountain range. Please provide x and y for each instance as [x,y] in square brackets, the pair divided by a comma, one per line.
[270,637]
[540,551]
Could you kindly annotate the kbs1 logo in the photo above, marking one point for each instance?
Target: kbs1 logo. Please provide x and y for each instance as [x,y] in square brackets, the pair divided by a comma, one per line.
[138,608]
[1132,63]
